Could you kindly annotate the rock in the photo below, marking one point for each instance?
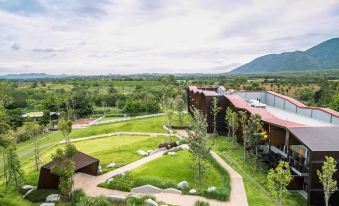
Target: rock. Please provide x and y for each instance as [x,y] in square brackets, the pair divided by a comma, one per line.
[52,198]
[27,187]
[29,191]
[109,180]
[115,198]
[47,204]
[176,149]
[172,190]
[211,189]
[142,153]
[184,147]
[151,202]
[162,149]
[177,143]
[193,191]
[111,165]
[99,169]
[183,185]
[123,174]
[148,189]
[172,153]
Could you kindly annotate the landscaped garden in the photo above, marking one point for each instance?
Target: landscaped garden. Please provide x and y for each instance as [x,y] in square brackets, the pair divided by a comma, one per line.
[255,181]
[167,171]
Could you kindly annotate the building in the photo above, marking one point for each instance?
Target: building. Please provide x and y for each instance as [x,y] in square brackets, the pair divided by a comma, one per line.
[299,134]
[83,163]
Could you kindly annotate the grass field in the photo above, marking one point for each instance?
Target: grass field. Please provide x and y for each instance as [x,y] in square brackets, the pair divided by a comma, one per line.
[255,196]
[177,168]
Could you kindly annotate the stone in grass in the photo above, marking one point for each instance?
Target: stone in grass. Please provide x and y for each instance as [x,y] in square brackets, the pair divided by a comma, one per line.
[147,189]
[183,185]
[27,187]
[115,198]
[193,191]
[151,202]
[111,165]
[142,153]
[99,169]
[109,180]
[52,198]
[184,147]
[172,190]
[47,204]
[211,189]
[172,153]
[27,193]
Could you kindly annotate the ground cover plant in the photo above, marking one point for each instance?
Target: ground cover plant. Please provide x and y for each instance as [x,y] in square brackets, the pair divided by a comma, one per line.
[168,171]
[255,182]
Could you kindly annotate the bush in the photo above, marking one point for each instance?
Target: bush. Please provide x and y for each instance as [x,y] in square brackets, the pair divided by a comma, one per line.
[218,194]
[40,195]
[121,182]
[134,201]
[201,203]
[157,182]
[93,201]
[76,196]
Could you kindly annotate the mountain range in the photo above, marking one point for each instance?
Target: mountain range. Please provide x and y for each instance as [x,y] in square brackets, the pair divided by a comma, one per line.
[320,57]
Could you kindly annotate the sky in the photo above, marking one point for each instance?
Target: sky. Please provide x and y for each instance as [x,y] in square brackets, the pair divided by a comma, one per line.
[90,37]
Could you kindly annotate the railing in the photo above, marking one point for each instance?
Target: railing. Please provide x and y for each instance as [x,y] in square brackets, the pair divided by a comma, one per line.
[124,119]
[299,168]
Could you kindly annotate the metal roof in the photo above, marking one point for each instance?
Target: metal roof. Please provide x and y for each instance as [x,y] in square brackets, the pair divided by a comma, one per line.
[318,138]
[80,160]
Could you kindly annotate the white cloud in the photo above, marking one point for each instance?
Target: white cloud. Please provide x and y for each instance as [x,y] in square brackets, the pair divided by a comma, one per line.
[162,36]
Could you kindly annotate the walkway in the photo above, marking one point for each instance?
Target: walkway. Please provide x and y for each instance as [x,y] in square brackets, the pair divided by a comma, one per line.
[121,133]
[89,184]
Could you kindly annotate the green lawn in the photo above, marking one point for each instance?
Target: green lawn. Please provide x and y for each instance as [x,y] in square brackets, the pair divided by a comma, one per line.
[120,149]
[253,180]
[177,168]
[167,171]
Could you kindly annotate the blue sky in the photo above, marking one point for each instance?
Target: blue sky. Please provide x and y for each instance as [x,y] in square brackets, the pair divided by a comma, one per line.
[129,36]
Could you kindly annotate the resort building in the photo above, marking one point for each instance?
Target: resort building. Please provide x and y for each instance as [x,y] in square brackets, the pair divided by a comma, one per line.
[298,134]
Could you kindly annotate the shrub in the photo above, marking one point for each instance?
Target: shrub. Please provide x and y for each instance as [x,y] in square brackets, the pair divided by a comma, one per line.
[40,195]
[218,194]
[76,196]
[201,203]
[135,201]
[157,182]
[122,182]
[93,201]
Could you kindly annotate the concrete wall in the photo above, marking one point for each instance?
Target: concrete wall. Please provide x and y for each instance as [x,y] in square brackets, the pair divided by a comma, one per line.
[281,103]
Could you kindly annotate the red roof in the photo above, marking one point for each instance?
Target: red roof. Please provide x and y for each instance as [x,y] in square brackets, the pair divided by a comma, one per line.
[195,89]
[266,116]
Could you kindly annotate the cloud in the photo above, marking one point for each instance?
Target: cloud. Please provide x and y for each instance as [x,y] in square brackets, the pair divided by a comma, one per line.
[108,36]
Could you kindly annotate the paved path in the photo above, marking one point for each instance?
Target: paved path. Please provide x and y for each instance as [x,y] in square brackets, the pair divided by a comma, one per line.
[89,184]
[120,133]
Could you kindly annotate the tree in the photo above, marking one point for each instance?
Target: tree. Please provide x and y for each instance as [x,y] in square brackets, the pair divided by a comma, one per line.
[64,168]
[65,126]
[228,119]
[198,145]
[169,112]
[243,122]
[278,180]
[4,142]
[326,178]
[335,103]
[180,106]
[13,167]
[306,94]
[253,132]
[33,129]
[232,122]
[214,111]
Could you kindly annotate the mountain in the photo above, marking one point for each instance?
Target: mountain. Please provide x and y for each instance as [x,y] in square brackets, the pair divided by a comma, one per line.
[319,57]
[30,76]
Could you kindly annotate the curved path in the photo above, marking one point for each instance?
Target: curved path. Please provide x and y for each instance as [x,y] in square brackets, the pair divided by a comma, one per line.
[89,184]
[120,133]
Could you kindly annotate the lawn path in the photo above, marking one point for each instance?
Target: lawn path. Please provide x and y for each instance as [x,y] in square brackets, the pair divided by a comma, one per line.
[120,133]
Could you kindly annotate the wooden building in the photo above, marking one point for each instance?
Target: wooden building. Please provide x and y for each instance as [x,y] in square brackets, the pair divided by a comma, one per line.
[297,134]
[83,163]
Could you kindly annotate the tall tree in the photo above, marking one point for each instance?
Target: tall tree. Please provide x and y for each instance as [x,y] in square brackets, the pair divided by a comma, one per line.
[228,119]
[180,106]
[253,132]
[214,111]
[278,180]
[33,129]
[198,145]
[232,122]
[14,172]
[169,112]
[65,126]
[243,122]
[64,168]
[328,168]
